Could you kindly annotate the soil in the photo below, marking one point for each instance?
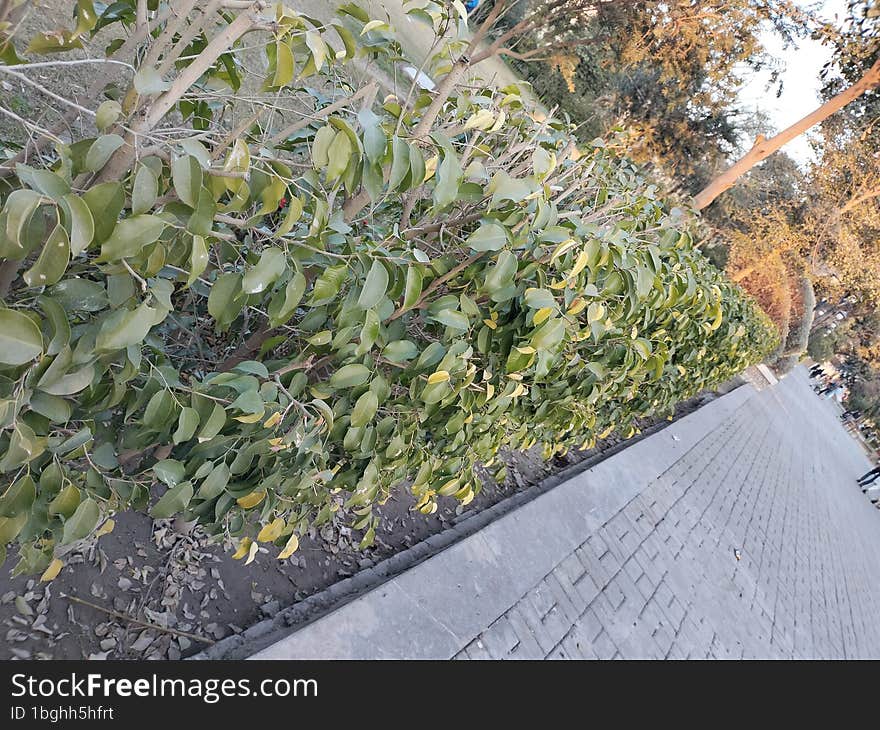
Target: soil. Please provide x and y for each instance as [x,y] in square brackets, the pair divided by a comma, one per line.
[175,580]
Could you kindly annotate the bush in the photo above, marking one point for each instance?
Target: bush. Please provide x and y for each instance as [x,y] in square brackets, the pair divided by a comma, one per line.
[268,329]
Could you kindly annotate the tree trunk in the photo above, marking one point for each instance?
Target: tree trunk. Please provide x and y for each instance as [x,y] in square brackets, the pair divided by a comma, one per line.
[763,148]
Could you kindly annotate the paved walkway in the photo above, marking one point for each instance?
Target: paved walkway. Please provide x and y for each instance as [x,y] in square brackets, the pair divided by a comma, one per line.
[637,557]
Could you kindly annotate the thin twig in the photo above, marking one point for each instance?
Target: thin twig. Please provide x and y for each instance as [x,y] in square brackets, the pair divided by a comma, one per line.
[145,624]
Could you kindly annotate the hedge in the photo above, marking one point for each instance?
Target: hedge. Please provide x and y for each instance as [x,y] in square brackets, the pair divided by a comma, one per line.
[271,325]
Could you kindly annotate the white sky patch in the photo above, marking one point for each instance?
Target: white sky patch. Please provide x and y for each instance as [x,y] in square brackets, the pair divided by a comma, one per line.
[800,78]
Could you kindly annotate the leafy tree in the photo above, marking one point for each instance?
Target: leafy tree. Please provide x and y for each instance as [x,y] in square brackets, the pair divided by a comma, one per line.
[668,72]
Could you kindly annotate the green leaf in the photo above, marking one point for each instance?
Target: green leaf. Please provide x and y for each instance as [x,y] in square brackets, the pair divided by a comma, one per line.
[81,523]
[452,318]
[327,285]
[413,288]
[215,482]
[56,409]
[46,182]
[338,156]
[66,502]
[187,423]
[186,175]
[158,411]
[214,424]
[52,263]
[80,295]
[82,225]
[375,286]
[20,338]
[501,274]
[169,471]
[125,327]
[145,190]
[285,302]
[18,498]
[20,206]
[350,376]
[131,235]
[488,237]
[271,265]
[53,42]
[174,501]
[400,351]
[400,163]
[347,40]
[284,65]
[225,300]
[198,259]
[324,138]
[539,298]
[101,151]
[369,332]
[449,176]
[364,409]
[71,382]
[294,212]
[60,324]
[105,201]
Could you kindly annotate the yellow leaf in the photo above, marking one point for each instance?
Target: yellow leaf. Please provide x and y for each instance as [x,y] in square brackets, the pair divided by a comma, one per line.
[252,553]
[272,420]
[559,284]
[465,495]
[541,316]
[431,167]
[441,376]
[518,390]
[577,306]
[106,528]
[483,119]
[53,570]
[562,248]
[528,350]
[450,487]
[490,390]
[272,531]
[499,122]
[490,324]
[290,548]
[252,499]
[243,548]
[252,418]
[579,264]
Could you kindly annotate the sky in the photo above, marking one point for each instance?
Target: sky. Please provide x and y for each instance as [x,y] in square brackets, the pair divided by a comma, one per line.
[800,79]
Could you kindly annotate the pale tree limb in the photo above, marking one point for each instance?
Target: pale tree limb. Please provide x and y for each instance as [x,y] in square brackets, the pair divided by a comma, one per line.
[156,111]
[763,148]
